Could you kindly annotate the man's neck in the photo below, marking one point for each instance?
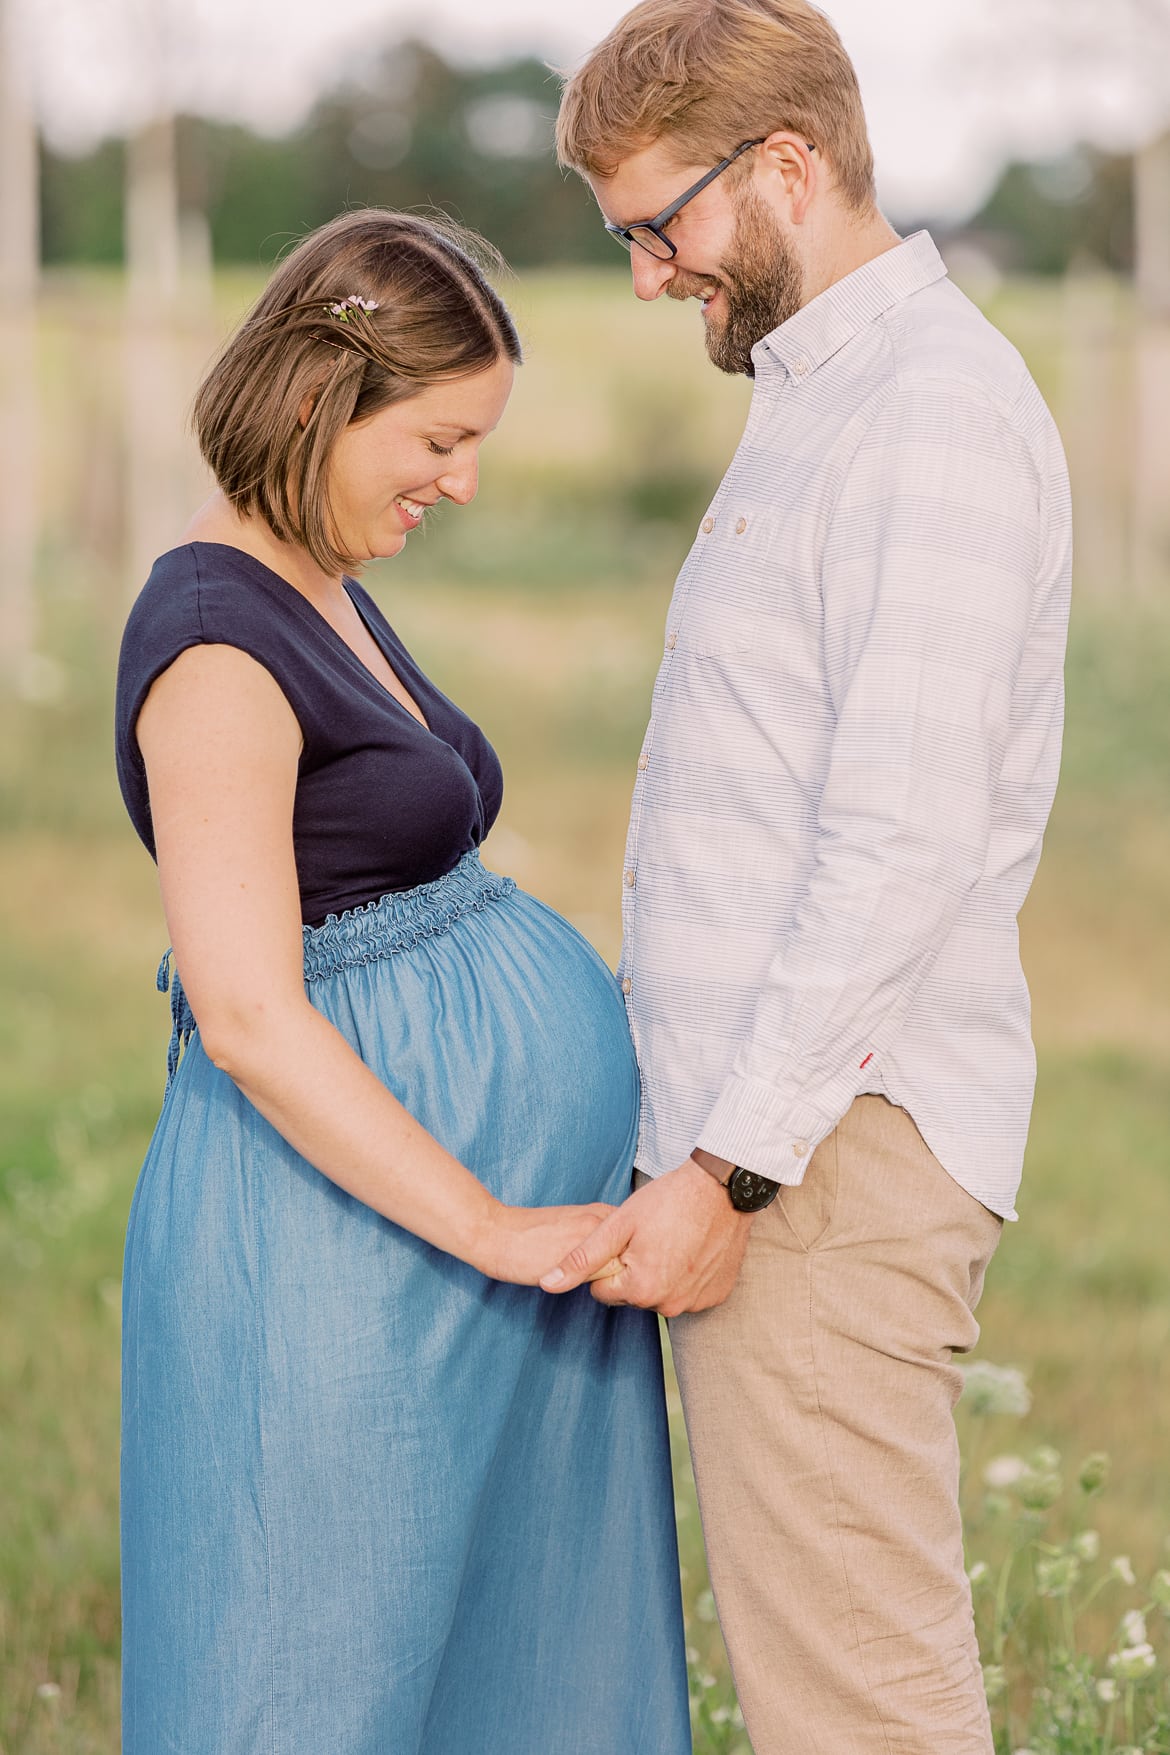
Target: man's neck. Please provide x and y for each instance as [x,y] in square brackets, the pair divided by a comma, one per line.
[845,245]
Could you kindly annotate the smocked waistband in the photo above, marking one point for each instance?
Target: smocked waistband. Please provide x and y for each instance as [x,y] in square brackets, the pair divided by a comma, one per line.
[400,921]
[393,924]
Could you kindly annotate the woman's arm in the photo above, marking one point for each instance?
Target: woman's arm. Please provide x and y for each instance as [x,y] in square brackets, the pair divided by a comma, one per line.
[221,746]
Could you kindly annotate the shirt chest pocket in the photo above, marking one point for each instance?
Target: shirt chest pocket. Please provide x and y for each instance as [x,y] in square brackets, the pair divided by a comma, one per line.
[729,586]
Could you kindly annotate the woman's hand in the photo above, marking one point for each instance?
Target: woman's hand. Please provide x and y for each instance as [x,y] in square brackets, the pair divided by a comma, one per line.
[525,1242]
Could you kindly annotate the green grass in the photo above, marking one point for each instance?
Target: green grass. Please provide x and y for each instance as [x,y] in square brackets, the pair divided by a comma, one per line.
[551,636]
[1080,1293]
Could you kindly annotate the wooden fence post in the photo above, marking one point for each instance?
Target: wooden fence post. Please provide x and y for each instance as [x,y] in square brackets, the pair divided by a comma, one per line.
[1151,476]
[19,425]
[153,392]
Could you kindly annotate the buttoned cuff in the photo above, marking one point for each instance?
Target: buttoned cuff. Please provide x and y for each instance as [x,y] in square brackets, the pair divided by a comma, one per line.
[754,1125]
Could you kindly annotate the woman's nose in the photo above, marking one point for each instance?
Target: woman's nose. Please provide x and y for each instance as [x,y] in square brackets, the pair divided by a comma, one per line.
[460,482]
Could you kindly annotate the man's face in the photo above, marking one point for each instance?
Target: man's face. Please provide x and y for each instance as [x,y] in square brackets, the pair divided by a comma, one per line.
[732,255]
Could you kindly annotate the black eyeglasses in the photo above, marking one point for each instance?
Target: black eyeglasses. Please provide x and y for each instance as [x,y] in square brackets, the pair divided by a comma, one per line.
[649,233]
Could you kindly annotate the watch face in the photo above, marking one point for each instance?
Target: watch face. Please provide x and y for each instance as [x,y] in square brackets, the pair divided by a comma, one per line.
[750,1193]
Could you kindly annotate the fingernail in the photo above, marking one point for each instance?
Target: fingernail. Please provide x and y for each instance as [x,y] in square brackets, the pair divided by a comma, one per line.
[553,1279]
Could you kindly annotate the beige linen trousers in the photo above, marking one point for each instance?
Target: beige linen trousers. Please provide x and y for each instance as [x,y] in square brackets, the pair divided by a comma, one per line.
[819,1404]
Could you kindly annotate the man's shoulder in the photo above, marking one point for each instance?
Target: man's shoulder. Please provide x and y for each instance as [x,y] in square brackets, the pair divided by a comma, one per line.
[939,341]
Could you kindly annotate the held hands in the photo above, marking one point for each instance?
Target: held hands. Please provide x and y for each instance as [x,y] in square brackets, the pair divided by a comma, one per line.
[521,1241]
[677,1245]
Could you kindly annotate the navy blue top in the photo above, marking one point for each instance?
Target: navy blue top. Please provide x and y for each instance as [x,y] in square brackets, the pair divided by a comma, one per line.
[382,802]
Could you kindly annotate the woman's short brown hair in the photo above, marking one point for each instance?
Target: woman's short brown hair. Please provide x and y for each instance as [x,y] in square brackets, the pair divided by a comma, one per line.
[437,317]
[705,75]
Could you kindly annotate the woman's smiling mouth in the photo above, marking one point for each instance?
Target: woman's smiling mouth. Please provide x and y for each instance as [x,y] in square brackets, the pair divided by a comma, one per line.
[410,511]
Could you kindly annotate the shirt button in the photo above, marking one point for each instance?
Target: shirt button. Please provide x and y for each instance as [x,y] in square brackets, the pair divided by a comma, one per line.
[740,526]
[643,764]
[799,1148]
[627,985]
[802,367]
[671,642]
[708,526]
[628,878]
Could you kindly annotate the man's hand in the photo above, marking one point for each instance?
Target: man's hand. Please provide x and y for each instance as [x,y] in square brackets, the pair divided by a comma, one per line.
[679,1242]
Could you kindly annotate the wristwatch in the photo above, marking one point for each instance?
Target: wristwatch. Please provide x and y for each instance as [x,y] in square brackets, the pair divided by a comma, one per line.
[747,1192]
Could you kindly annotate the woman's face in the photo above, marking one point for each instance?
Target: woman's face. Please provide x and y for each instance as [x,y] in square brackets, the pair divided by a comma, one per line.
[387,469]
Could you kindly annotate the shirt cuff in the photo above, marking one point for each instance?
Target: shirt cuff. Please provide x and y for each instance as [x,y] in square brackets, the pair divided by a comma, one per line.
[754,1125]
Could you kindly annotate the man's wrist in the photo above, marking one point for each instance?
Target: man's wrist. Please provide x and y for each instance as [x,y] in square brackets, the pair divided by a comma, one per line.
[719,1168]
[747,1191]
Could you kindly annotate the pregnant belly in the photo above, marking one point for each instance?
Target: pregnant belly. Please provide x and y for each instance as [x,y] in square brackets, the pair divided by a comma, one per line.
[505,1035]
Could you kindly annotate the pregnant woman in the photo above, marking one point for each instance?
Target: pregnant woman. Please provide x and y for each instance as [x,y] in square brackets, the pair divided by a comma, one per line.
[380,1495]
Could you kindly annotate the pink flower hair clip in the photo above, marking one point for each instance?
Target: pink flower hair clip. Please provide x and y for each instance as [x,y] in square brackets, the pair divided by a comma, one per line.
[342,309]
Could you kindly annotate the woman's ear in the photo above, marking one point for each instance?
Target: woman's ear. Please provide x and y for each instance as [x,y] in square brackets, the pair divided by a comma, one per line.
[308,404]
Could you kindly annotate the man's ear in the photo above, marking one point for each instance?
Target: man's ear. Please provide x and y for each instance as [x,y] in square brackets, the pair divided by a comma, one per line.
[793,164]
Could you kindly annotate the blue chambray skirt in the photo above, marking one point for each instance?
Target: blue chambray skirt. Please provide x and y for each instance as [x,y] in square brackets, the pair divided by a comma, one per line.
[372,1502]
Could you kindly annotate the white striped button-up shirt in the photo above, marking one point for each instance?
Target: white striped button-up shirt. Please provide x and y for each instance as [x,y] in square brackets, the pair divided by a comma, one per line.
[853,747]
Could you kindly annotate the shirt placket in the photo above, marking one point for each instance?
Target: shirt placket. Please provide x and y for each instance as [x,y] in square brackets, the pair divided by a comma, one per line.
[676,613]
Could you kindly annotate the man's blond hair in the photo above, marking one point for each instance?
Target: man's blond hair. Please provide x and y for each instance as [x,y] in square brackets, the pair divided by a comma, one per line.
[704,75]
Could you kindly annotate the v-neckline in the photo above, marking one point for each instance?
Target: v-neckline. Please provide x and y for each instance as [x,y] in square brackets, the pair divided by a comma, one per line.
[419,718]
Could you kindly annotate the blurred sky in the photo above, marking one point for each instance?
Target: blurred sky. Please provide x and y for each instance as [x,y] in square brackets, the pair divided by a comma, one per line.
[953,88]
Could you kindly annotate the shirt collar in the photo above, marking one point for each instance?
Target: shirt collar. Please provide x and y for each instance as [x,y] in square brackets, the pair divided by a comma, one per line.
[824,326]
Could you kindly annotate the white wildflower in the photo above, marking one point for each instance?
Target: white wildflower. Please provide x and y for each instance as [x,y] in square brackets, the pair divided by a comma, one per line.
[994,1681]
[1056,1576]
[1086,1545]
[1107,1690]
[1133,1663]
[48,1691]
[1004,1471]
[1038,1489]
[995,1389]
[1133,1628]
[1122,1568]
[978,1572]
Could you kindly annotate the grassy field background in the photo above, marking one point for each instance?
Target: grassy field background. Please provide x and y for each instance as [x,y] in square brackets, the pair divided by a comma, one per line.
[541,609]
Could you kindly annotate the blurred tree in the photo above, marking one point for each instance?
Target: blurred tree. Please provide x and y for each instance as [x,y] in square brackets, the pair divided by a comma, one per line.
[411,131]
[1042,218]
[1043,59]
[81,204]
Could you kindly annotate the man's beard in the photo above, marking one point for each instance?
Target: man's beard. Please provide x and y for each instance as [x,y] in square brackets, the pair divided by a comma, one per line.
[761,283]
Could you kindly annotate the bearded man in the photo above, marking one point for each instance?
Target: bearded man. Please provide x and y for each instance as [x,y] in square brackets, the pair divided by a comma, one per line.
[851,756]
